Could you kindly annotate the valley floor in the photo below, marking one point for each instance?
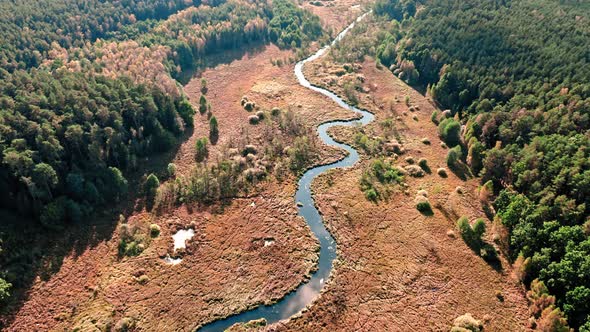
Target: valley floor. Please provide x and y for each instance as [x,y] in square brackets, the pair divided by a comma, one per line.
[397,270]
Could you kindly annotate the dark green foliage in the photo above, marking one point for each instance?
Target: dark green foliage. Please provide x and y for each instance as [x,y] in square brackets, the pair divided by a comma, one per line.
[454,157]
[292,26]
[71,135]
[203,104]
[376,180]
[525,98]
[473,238]
[449,131]
[4,290]
[213,130]
[201,150]
[151,186]
[424,208]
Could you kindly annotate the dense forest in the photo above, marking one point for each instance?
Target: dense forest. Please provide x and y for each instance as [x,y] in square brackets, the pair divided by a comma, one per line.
[516,76]
[88,89]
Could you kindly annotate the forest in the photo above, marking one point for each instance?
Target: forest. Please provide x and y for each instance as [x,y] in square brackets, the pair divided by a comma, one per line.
[88,90]
[521,103]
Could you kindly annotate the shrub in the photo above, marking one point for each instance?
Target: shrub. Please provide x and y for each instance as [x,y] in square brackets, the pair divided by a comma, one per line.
[423,163]
[453,156]
[213,129]
[143,279]
[253,119]
[171,169]
[201,150]
[260,115]
[249,149]
[442,172]
[473,235]
[410,160]
[151,185]
[4,290]
[371,194]
[466,323]
[154,230]
[203,104]
[124,325]
[249,106]
[407,101]
[424,207]
[449,131]
[434,117]
[425,141]
[414,170]
[275,111]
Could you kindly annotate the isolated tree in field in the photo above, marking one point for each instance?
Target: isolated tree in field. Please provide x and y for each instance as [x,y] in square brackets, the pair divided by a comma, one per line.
[201,149]
[213,129]
[203,104]
[204,87]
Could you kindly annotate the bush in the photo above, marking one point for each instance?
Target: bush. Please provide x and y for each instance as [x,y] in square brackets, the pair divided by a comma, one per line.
[423,163]
[171,169]
[154,230]
[466,323]
[151,185]
[434,117]
[424,207]
[449,131]
[203,104]
[4,290]
[143,279]
[260,115]
[275,111]
[249,106]
[201,150]
[213,129]
[442,172]
[253,119]
[453,156]
[425,141]
[371,194]
[473,235]
[414,170]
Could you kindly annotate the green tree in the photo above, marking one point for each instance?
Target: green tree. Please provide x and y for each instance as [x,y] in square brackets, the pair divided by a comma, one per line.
[4,290]
[201,150]
[45,176]
[151,186]
[203,104]
[213,130]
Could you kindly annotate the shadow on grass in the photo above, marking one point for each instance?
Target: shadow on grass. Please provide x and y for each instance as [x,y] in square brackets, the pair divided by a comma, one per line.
[461,170]
[30,250]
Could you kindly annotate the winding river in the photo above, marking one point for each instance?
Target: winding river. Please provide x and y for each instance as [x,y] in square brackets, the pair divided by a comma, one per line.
[307,292]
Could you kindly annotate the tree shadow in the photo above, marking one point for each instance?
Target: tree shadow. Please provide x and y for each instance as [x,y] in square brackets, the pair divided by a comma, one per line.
[221,57]
[30,251]
[461,170]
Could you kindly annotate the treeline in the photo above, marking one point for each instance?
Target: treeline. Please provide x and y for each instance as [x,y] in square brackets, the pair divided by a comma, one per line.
[67,138]
[28,28]
[524,99]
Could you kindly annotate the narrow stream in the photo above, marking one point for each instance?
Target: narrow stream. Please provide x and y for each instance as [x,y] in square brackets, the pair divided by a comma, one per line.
[307,292]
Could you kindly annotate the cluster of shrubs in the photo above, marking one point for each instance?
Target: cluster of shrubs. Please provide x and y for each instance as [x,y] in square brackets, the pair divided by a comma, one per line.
[375,181]
[472,235]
